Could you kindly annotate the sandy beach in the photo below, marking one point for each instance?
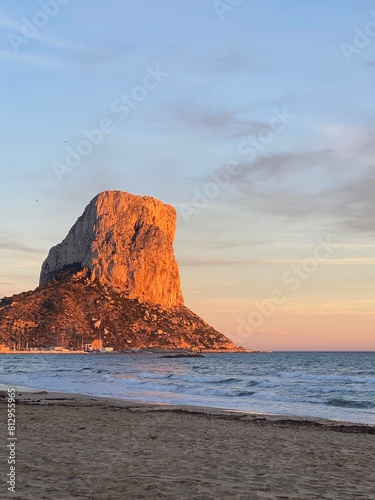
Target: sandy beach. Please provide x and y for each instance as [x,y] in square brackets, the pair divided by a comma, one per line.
[71,446]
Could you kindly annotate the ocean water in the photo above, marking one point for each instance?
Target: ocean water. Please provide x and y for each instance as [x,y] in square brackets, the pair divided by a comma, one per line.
[339,386]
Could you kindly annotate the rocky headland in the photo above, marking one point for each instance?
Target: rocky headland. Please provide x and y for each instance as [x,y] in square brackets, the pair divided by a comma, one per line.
[114,277]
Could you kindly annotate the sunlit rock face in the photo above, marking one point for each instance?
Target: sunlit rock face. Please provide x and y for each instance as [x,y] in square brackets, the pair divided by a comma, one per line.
[113,279]
[125,241]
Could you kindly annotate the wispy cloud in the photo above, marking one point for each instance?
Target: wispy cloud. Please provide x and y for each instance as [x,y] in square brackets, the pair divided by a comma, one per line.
[9,242]
[229,123]
[16,26]
[87,56]
[229,62]
[31,59]
[220,245]
[280,164]
[210,64]
[351,261]
[337,183]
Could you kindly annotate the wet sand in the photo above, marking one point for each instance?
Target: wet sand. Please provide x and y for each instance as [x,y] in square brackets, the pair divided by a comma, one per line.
[71,446]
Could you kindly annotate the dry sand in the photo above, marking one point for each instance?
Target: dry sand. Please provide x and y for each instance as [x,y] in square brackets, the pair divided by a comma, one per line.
[73,447]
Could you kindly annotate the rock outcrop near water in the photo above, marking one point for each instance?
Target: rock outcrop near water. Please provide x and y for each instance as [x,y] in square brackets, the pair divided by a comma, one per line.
[126,241]
[114,278]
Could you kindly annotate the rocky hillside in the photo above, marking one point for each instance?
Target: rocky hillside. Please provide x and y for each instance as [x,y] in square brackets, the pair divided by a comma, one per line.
[73,309]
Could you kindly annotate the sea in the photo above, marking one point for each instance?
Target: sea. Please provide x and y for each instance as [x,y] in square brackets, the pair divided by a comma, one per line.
[332,385]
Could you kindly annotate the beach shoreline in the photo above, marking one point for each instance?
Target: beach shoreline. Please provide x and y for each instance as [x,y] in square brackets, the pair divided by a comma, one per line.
[274,384]
[26,395]
[72,445]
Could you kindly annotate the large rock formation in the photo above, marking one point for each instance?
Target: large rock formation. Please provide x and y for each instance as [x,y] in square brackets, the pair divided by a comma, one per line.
[114,278]
[126,241]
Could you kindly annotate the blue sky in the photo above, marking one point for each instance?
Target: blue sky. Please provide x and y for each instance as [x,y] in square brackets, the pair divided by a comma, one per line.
[228,73]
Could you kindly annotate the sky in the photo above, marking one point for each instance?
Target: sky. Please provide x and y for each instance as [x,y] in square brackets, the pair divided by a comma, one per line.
[254,119]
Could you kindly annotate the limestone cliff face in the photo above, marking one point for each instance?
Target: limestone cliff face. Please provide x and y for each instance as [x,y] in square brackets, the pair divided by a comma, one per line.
[125,241]
[113,278]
